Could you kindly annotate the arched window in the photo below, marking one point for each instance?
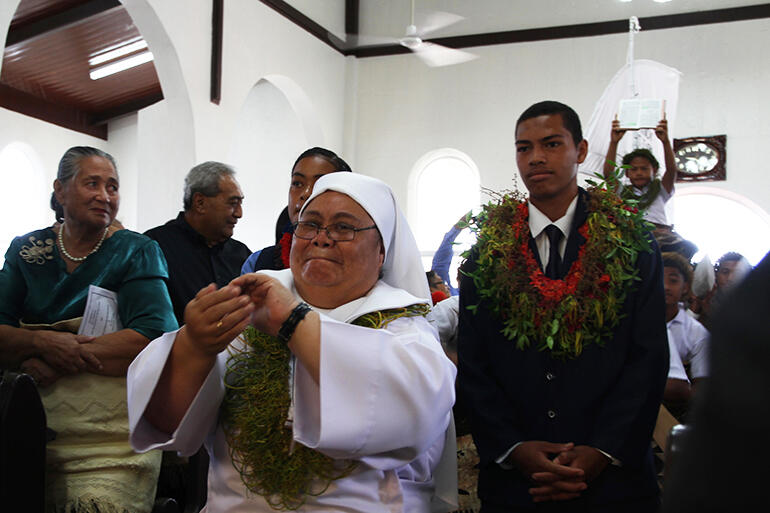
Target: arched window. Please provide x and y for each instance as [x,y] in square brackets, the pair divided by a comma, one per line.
[718,221]
[24,196]
[444,185]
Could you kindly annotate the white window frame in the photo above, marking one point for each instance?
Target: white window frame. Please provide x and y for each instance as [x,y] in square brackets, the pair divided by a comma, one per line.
[414,179]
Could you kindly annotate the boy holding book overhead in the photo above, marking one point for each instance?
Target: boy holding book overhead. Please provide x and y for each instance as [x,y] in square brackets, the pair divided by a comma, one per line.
[651,192]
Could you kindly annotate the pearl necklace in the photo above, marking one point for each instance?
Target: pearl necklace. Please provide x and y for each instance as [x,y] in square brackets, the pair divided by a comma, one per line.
[64,251]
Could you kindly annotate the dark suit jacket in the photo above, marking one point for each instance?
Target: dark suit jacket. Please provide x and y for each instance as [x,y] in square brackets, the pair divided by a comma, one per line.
[607,398]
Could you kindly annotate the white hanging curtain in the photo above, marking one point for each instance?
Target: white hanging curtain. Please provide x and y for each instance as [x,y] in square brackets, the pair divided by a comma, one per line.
[637,79]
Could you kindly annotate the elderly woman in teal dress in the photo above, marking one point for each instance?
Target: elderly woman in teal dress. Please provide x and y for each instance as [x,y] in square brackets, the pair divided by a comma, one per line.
[44,286]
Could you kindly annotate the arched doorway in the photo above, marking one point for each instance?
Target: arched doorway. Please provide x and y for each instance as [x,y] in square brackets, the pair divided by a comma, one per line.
[718,221]
[276,123]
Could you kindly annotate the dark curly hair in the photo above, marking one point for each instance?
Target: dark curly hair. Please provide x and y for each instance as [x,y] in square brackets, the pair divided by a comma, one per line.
[645,154]
[678,262]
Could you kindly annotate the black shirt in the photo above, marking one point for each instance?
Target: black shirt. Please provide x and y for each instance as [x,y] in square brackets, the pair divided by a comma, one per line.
[192,264]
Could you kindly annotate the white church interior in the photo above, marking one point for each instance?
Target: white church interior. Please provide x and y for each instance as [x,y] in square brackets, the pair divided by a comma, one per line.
[284,88]
[421,94]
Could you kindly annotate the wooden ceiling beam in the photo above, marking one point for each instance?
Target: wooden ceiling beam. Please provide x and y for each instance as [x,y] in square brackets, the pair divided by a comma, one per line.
[67,117]
[59,21]
[126,108]
[689,19]
[217,29]
[295,16]
[352,10]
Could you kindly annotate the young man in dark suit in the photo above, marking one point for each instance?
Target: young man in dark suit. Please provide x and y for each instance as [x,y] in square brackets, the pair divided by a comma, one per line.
[564,370]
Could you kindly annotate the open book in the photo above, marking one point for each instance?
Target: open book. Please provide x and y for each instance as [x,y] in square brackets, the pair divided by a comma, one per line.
[641,113]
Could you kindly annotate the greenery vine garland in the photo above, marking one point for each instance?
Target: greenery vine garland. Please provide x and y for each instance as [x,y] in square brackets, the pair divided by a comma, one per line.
[254,418]
[644,200]
[560,316]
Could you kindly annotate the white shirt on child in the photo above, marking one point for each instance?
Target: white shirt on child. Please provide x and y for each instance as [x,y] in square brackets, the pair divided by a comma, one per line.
[656,212]
[675,367]
[690,339]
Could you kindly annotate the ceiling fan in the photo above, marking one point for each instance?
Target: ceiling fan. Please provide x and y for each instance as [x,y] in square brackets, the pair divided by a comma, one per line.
[432,54]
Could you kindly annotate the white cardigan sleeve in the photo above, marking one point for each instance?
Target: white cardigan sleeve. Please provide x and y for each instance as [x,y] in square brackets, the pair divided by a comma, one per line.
[200,418]
[385,395]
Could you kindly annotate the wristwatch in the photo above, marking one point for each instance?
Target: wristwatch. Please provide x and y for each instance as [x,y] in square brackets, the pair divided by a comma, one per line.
[289,325]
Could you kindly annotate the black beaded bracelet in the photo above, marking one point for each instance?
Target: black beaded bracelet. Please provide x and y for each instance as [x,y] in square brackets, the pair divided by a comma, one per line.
[290,324]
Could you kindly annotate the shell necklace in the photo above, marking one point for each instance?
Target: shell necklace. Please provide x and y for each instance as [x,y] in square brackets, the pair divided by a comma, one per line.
[64,251]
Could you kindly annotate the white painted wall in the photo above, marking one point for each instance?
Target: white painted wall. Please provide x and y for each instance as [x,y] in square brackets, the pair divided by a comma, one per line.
[405,109]
[268,131]
[385,113]
[45,144]
[258,43]
[122,145]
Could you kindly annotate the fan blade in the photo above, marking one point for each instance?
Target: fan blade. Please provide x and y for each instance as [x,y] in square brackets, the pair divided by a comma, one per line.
[436,55]
[431,21]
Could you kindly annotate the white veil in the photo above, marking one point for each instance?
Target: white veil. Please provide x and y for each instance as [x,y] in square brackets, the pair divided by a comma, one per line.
[402,268]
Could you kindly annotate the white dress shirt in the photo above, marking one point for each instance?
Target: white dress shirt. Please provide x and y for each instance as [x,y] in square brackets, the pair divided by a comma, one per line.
[538,222]
[675,367]
[690,339]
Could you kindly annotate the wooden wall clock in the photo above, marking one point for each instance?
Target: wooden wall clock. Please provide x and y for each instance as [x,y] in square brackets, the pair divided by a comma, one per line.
[700,159]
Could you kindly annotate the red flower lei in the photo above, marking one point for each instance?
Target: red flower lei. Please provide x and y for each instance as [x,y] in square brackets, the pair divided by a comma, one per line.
[561,316]
[285,245]
[552,291]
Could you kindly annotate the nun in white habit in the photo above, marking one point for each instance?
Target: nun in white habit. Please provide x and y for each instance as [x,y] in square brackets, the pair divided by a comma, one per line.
[355,418]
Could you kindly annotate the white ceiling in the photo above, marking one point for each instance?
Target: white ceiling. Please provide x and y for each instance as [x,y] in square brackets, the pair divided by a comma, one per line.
[390,17]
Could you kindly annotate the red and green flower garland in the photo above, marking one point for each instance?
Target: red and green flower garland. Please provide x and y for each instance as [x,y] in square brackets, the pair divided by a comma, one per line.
[285,249]
[560,316]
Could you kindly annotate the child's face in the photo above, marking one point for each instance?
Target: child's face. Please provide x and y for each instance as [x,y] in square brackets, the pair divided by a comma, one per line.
[641,172]
[674,285]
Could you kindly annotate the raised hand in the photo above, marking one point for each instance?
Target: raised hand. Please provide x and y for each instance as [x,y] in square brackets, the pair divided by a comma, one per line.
[661,131]
[617,133]
[272,301]
[463,221]
[213,318]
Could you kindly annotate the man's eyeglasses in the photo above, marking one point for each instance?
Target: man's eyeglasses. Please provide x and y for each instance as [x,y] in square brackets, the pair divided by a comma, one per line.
[338,232]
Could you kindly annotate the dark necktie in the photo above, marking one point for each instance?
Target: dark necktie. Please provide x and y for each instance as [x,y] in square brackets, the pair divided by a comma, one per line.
[554,259]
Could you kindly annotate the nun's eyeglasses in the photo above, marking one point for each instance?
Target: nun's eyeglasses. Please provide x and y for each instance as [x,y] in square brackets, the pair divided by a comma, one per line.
[338,232]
